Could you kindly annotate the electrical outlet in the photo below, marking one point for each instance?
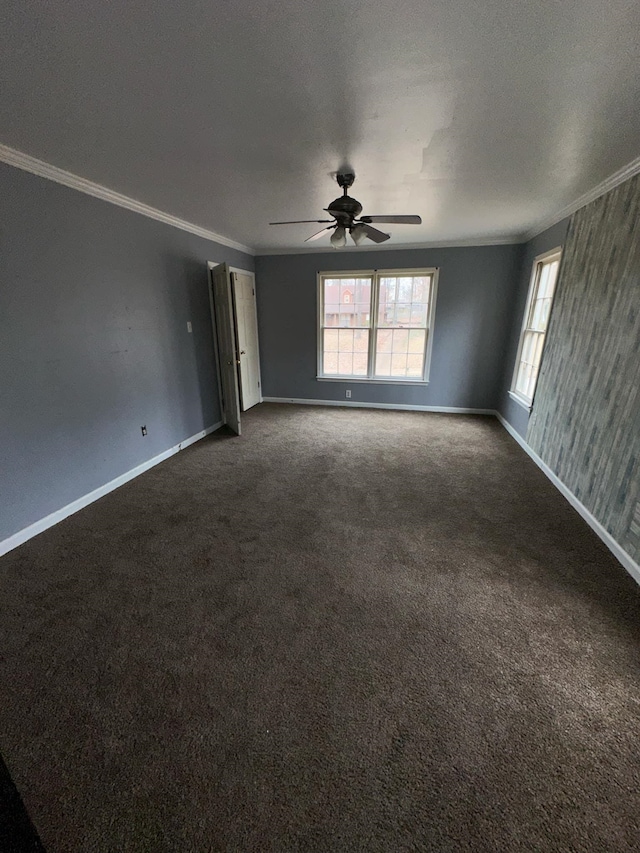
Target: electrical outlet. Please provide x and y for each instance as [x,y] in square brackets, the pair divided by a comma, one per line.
[143,430]
[347,394]
[189,326]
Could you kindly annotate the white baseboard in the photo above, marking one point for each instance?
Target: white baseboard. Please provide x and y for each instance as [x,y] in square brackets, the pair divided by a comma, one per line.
[44,523]
[400,406]
[618,552]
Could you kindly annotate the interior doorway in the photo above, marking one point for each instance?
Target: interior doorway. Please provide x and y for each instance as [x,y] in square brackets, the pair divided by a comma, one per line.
[235,329]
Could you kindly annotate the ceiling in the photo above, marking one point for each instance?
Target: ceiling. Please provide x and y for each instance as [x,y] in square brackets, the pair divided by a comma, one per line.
[484,118]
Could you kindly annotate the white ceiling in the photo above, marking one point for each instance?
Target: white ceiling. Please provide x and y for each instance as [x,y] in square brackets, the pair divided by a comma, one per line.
[483,117]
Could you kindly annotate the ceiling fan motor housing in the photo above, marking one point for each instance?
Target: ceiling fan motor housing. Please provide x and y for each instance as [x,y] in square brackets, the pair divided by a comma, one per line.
[345,209]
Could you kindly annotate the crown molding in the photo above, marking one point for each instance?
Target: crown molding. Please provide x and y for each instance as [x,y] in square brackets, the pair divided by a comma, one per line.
[27,163]
[610,183]
[45,170]
[507,240]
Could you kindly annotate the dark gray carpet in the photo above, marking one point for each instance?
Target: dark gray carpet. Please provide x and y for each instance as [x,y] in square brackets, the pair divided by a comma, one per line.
[343,631]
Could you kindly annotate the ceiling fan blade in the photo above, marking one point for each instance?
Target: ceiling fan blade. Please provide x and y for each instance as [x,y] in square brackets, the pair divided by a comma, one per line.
[408,219]
[319,234]
[374,234]
[300,221]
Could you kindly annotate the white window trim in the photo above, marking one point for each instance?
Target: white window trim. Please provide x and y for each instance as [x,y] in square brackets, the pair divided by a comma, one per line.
[519,399]
[527,402]
[324,377]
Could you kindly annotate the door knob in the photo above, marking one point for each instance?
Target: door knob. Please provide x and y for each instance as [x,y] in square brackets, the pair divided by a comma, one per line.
[242,352]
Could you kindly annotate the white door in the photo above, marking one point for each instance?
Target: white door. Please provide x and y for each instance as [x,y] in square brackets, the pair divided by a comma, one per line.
[225,333]
[244,292]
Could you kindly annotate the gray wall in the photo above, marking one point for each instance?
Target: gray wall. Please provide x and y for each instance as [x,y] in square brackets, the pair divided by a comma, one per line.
[585,422]
[94,303]
[473,311]
[512,411]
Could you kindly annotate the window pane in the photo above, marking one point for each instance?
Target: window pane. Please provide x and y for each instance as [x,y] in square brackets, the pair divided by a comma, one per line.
[400,340]
[351,358]
[402,314]
[405,286]
[361,340]
[330,363]
[527,346]
[544,280]
[416,340]
[386,314]
[384,340]
[420,288]
[347,288]
[345,340]
[345,363]
[363,291]
[522,381]
[403,301]
[537,357]
[331,313]
[347,302]
[399,364]
[548,279]
[362,312]
[331,340]
[418,315]
[536,315]
[383,364]
[553,277]
[360,363]
[414,365]
[387,290]
[530,358]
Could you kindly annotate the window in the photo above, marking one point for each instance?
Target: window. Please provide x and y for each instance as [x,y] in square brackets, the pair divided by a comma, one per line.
[376,326]
[534,328]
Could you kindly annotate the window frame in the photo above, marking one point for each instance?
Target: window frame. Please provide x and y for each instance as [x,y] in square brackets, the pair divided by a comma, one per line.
[375,275]
[536,274]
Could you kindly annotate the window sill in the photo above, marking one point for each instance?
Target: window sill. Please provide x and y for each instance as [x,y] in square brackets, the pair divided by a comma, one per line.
[365,381]
[525,405]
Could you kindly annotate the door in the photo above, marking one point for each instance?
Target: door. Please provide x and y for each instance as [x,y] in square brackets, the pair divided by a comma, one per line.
[244,292]
[225,333]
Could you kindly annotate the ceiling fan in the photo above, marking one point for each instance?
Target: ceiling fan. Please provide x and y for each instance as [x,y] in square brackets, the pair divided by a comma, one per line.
[346,214]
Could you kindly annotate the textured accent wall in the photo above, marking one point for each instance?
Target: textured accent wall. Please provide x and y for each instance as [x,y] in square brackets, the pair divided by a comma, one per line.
[586,415]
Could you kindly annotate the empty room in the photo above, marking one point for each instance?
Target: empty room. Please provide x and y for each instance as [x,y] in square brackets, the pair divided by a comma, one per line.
[320,427]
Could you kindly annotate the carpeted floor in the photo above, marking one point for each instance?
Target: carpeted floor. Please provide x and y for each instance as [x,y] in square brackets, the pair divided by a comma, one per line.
[343,631]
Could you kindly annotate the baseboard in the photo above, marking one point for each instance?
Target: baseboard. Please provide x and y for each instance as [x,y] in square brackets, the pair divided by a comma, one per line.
[44,523]
[405,407]
[618,552]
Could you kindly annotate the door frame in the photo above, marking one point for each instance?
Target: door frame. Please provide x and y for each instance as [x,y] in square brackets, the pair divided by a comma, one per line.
[211,265]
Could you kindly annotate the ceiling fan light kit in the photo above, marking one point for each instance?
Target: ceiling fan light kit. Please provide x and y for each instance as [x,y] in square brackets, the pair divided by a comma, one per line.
[339,237]
[358,234]
[346,213]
